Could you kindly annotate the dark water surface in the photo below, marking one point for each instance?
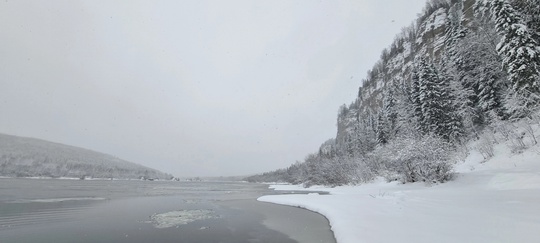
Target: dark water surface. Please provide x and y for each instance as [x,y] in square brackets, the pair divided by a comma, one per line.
[49,210]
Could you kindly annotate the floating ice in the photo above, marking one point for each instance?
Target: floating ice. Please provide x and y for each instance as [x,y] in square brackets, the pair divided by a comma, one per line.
[181,217]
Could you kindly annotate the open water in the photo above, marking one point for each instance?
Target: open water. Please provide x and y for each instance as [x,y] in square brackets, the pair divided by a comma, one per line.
[51,210]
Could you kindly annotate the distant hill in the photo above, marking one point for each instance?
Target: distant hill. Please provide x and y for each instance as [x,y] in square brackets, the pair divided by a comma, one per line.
[30,157]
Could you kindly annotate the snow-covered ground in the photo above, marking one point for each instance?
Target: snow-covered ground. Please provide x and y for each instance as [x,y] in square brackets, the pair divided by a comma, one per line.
[495,201]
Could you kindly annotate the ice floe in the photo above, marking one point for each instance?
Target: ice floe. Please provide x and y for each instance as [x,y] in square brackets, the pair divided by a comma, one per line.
[180,217]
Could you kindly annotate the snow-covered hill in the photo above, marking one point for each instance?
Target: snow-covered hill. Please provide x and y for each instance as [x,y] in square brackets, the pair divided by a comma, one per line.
[29,157]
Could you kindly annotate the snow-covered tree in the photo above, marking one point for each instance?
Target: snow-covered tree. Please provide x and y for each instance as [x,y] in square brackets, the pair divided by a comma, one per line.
[390,110]
[382,129]
[405,107]
[364,136]
[435,110]
[387,118]
[415,91]
[481,73]
[455,31]
[520,52]
[426,159]
[451,124]
[530,12]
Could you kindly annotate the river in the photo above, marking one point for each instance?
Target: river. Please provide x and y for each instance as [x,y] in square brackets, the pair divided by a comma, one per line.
[53,210]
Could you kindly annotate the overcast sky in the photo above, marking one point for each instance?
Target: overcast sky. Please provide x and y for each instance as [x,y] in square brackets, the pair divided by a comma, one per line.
[192,88]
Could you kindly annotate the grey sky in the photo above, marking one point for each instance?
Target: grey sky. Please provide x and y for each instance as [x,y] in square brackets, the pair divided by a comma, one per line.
[193,88]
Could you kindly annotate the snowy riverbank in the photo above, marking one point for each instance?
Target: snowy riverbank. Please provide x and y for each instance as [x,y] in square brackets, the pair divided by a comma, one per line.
[495,201]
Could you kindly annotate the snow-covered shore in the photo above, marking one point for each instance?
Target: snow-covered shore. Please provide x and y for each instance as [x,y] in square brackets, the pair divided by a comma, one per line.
[495,201]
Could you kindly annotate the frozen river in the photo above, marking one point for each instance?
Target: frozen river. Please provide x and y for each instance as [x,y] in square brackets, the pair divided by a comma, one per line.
[49,210]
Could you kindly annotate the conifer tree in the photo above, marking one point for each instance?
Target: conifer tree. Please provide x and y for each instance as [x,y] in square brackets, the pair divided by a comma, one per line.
[387,118]
[404,108]
[364,135]
[481,72]
[416,101]
[530,11]
[436,113]
[428,96]
[382,129]
[455,67]
[390,110]
[520,52]
[451,125]
[454,31]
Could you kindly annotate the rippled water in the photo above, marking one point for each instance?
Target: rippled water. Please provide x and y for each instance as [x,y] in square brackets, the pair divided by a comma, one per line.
[33,201]
[49,210]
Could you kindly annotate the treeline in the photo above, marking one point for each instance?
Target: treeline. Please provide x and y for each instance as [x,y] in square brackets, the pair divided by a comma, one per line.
[465,70]
[27,157]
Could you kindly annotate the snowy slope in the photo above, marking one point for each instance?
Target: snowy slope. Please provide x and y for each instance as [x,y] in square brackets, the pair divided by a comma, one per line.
[495,201]
[30,157]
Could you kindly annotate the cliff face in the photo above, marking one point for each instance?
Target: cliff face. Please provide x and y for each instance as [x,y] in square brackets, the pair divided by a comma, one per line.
[462,71]
[428,36]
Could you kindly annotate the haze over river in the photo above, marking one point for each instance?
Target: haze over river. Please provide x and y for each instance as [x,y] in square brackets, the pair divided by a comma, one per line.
[51,210]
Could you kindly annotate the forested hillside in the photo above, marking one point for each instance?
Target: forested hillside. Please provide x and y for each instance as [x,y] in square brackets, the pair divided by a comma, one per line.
[464,70]
[28,157]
